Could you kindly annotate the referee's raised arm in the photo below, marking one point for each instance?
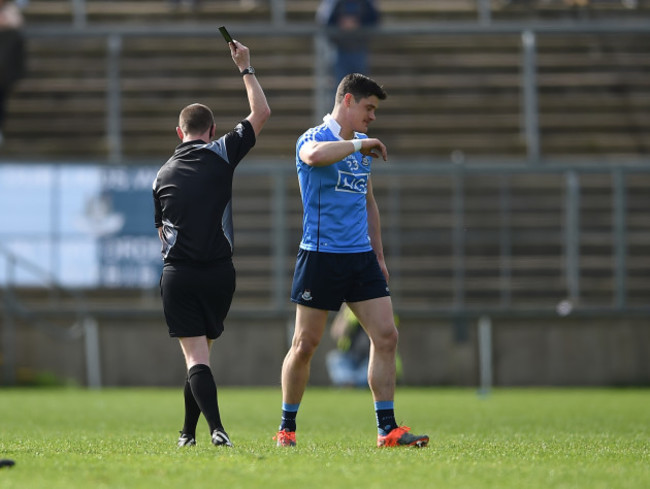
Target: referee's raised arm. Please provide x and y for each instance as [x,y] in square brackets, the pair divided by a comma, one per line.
[260,110]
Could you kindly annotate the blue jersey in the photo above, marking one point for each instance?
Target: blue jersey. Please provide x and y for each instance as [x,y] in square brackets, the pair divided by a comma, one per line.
[335,219]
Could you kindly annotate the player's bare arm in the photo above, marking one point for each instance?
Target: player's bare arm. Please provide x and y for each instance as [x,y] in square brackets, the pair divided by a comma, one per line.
[260,110]
[374,229]
[325,153]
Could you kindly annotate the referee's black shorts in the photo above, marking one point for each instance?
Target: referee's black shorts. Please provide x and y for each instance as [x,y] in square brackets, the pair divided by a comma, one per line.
[197,298]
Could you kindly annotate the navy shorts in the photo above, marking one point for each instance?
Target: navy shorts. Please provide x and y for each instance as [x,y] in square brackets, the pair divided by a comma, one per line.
[326,280]
[196,299]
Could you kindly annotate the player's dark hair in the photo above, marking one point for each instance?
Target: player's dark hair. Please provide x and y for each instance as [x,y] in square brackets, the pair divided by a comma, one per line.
[360,86]
[195,119]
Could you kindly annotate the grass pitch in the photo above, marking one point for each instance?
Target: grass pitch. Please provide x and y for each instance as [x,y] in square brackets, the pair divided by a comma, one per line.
[515,438]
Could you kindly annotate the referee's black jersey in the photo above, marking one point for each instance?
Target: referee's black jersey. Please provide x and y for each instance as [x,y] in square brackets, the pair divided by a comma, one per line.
[192,196]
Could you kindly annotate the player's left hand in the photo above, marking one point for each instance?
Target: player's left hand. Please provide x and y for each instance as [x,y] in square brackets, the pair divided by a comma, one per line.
[384,268]
[374,148]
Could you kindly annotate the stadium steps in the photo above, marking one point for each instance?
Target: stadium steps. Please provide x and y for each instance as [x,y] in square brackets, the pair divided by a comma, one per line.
[125,12]
[238,11]
[186,71]
[232,11]
[65,94]
[452,95]
[551,10]
[444,105]
[465,94]
[594,94]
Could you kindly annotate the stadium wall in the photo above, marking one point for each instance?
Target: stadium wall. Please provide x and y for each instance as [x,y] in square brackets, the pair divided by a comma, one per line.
[526,352]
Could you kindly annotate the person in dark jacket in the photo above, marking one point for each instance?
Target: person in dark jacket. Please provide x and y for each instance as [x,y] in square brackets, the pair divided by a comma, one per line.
[12,54]
[348,23]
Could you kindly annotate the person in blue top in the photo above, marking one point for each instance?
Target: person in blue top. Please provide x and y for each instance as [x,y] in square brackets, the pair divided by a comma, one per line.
[341,255]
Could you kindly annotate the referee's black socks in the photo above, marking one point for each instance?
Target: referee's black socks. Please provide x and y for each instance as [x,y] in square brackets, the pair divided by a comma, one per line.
[192,411]
[205,393]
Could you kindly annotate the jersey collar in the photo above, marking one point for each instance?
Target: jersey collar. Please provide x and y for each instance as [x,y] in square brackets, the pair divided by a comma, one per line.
[333,126]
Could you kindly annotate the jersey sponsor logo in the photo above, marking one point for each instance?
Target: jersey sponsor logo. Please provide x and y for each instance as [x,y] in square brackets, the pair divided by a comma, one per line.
[352,182]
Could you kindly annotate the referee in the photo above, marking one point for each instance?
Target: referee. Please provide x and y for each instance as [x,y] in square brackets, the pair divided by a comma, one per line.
[192,196]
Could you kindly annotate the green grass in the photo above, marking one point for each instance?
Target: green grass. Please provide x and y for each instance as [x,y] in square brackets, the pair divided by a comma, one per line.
[515,438]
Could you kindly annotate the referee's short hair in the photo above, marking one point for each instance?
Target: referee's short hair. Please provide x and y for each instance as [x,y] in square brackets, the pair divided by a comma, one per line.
[360,86]
[195,119]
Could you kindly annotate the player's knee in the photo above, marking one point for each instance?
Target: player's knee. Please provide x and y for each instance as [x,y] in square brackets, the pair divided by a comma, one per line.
[386,339]
[304,349]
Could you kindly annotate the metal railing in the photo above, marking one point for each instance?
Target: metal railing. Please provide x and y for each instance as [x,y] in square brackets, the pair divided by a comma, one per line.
[14,310]
[272,300]
[567,188]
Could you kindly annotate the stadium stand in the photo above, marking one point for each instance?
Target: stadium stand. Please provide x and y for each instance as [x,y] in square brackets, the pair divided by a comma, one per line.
[594,94]
[569,9]
[449,94]
[452,97]
[51,12]
[452,239]
[189,71]
[226,11]
[59,109]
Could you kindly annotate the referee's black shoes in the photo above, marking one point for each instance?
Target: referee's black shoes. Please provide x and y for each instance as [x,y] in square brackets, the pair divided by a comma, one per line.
[220,438]
[186,440]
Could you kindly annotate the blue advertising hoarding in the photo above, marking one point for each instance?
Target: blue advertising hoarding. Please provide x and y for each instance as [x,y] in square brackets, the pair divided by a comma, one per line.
[85,225]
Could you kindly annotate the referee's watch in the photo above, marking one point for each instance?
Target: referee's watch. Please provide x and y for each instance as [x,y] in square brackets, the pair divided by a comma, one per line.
[248,71]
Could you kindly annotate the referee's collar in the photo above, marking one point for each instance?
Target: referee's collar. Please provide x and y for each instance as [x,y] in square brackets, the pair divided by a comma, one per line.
[332,125]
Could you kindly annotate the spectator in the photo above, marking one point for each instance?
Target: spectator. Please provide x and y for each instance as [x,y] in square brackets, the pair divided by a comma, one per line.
[12,53]
[349,21]
[191,4]
[250,4]
[347,364]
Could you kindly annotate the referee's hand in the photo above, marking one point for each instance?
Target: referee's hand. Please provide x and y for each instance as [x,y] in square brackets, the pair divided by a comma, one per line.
[240,54]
